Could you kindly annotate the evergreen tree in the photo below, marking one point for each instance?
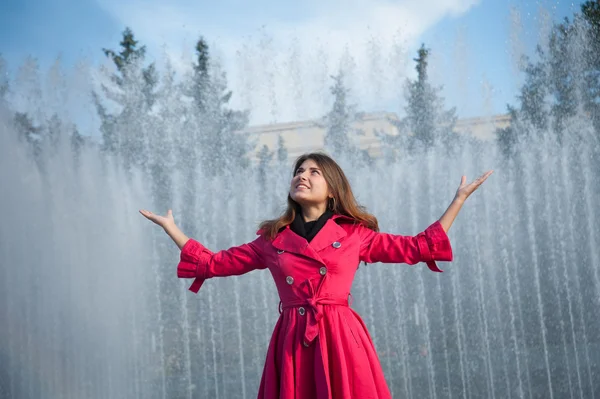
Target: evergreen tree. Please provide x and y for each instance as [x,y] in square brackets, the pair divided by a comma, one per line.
[27,91]
[426,120]
[591,13]
[564,74]
[420,111]
[591,93]
[221,145]
[533,95]
[55,127]
[28,132]
[565,78]
[201,75]
[506,138]
[129,54]
[77,142]
[134,92]
[339,120]
[25,128]
[533,114]
[265,157]
[282,152]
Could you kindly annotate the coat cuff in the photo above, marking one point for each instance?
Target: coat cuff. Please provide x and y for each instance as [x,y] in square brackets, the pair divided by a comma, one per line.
[192,264]
[434,245]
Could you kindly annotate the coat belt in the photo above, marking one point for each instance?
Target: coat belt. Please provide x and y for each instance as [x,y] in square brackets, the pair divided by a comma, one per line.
[314,313]
[314,310]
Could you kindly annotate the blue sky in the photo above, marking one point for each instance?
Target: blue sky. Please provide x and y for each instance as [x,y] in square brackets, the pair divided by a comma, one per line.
[473,44]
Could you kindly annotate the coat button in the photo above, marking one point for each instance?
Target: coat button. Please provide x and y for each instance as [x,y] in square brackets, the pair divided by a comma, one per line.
[323,271]
[280,251]
[306,344]
[336,244]
[301,310]
[289,280]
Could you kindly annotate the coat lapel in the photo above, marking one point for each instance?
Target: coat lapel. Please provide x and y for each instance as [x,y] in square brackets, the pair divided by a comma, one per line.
[291,242]
[329,234]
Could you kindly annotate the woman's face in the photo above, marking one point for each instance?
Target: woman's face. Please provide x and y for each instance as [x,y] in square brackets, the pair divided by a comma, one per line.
[308,185]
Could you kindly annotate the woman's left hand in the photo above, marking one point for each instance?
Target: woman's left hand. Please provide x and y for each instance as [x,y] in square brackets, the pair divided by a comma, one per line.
[464,190]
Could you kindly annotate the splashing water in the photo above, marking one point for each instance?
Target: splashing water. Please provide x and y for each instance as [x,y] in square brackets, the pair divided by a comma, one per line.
[91,307]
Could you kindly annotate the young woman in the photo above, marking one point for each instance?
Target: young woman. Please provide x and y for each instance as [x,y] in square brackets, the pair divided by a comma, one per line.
[320,347]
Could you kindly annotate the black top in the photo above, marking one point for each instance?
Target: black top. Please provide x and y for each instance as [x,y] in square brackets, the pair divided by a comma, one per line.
[309,230]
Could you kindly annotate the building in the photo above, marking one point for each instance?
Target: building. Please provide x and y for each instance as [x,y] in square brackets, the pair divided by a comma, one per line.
[304,136]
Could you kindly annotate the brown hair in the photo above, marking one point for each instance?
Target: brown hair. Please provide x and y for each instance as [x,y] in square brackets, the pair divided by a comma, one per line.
[343,202]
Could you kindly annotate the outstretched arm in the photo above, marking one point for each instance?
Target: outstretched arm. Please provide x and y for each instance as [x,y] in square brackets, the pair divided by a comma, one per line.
[200,263]
[430,245]
[463,192]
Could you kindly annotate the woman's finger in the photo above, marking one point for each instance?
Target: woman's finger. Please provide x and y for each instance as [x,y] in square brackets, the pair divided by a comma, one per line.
[484,176]
[148,215]
[479,181]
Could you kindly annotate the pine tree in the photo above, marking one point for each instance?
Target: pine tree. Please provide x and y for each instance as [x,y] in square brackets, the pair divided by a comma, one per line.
[77,142]
[565,77]
[426,120]
[532,115]
[420,102]
[129,53]
[564,74]
[282,152]
[533,95]
[134,91]
[506,138]
[591,94]
[201,76]
[339,120]
[221,145]
[28,132]
[591,12]
[55,127]
[265,157]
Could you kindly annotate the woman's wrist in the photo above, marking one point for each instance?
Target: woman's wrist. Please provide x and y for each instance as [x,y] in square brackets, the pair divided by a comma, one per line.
[176,235]
[459,199]
[170,227]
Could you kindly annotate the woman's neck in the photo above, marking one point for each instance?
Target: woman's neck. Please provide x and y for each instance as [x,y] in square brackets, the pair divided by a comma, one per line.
[312,213]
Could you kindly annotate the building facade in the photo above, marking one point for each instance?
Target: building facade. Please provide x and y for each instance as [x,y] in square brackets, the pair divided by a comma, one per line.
[304,136]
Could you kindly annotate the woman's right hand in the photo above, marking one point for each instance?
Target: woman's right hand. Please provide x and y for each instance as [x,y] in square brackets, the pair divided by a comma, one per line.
[162,221]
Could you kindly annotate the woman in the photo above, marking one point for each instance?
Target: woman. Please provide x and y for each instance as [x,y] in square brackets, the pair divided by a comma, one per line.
[320,347]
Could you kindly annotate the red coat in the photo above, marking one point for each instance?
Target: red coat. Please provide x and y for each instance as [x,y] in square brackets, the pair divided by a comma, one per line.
[320,348]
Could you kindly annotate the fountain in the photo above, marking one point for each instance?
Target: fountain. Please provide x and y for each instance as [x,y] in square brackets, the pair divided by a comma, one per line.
[91,307]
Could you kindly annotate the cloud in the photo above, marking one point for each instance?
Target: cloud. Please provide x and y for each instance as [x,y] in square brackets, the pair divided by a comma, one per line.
[279,64]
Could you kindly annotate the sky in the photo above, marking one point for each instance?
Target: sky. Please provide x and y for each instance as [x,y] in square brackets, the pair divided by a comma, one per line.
[278,55]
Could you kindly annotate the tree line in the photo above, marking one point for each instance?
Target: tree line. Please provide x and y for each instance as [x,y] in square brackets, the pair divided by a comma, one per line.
[562,83]
[140,105]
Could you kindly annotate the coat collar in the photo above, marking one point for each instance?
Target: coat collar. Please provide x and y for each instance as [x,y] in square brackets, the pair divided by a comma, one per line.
[289,241]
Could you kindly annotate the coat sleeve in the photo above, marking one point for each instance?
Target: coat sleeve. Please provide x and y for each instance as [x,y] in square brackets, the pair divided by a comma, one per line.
[430,245]
[200,263]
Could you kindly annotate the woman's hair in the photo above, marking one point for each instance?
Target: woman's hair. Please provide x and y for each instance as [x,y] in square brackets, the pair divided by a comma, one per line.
[343,202]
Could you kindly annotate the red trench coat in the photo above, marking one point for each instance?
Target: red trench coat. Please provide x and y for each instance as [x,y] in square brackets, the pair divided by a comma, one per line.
[320,348]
